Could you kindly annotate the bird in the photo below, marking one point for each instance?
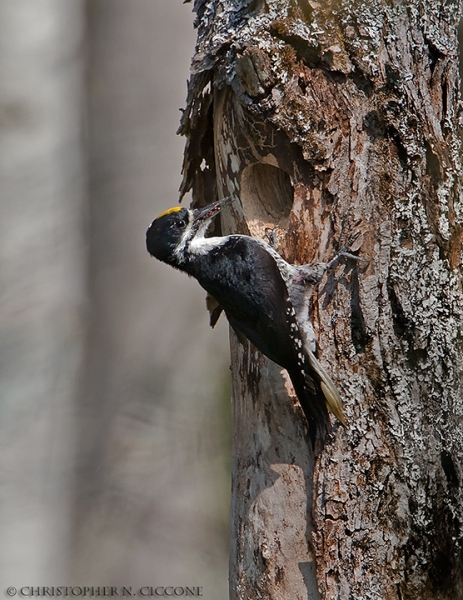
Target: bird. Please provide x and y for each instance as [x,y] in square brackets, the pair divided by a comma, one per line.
[263,296]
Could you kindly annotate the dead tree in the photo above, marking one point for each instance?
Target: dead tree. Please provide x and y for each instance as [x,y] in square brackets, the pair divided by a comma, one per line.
[326,119]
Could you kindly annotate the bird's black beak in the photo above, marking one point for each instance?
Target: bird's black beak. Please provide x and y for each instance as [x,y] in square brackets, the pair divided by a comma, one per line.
[208,212]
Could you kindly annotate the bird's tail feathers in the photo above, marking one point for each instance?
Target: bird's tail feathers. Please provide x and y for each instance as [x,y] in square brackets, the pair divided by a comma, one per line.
[313,403]
[317,395]
[333,400]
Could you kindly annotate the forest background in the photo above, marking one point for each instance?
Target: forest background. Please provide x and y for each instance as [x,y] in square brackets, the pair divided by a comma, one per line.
[114,412]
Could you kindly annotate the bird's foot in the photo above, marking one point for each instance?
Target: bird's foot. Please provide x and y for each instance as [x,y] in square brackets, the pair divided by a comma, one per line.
[270,234]
[344,253]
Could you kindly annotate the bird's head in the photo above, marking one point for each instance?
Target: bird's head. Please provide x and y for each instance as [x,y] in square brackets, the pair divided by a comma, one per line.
[170,233]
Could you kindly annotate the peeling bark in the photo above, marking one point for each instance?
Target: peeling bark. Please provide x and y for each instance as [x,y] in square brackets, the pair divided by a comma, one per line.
[326,119]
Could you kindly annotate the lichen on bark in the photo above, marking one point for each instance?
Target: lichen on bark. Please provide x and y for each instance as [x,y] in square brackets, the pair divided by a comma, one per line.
[357,108]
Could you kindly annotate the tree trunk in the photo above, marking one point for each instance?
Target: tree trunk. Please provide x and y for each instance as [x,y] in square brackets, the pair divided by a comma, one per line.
[328,119]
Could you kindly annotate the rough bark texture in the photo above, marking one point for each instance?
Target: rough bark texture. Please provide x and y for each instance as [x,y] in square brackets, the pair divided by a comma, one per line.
[327,119]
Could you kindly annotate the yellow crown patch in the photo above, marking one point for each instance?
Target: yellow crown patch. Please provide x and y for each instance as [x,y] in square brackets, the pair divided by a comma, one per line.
[170,211]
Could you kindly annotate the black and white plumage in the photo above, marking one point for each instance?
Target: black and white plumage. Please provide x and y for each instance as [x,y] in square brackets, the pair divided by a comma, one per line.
[262,296]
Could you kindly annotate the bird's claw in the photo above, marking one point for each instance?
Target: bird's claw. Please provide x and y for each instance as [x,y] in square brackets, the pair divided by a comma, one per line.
[344,252]
[353,256]
[270,234]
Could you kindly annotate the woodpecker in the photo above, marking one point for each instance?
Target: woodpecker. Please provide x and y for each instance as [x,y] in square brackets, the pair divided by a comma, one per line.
[263,296]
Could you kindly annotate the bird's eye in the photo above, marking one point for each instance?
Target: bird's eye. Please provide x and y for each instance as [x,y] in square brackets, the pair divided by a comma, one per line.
[180,224]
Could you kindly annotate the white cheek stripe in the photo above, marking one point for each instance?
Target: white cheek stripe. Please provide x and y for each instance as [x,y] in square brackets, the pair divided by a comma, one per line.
[200,245]
[195,244]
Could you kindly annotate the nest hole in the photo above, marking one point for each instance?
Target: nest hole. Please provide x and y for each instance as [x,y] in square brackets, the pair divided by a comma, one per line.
[267,196]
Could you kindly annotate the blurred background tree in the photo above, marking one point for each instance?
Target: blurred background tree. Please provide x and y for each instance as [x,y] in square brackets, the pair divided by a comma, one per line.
[114,404]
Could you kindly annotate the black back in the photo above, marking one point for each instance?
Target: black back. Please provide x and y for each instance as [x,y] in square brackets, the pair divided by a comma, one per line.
[245,280]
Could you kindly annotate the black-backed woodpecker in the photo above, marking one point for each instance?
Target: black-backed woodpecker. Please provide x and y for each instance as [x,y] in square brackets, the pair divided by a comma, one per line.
[263,296]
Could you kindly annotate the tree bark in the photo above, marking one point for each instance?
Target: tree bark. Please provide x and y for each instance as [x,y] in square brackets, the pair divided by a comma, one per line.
[327,119]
